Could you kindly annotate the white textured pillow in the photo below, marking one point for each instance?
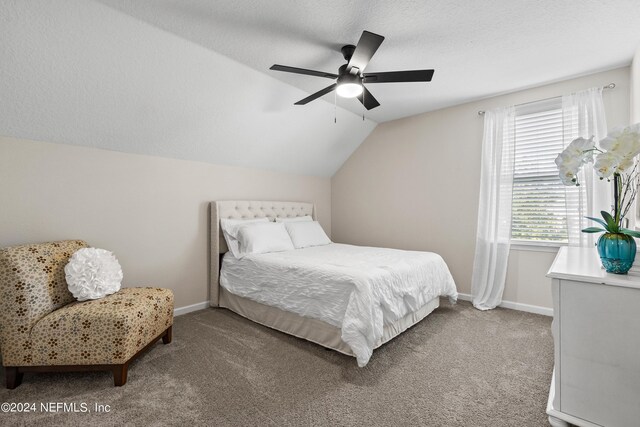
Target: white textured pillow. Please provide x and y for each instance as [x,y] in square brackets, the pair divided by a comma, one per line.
[230,229]
[262,238]
[305,234]
[93,273]
[295,219]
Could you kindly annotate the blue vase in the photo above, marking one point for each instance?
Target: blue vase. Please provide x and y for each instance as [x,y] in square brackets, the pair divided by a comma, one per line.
[617,252]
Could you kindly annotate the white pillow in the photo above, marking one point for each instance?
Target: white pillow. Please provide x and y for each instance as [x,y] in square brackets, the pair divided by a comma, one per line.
[230,229]
[295,219]
[93,273]
[305,234]
[261,238]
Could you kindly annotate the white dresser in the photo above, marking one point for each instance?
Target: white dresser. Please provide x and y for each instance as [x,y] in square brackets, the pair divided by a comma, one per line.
[596,330]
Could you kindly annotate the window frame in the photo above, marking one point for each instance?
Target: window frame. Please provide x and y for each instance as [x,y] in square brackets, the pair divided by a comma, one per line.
[523,110]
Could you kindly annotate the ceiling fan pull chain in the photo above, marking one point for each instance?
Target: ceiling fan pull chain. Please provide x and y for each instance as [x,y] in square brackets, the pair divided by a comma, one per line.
[363,107]
[335,108]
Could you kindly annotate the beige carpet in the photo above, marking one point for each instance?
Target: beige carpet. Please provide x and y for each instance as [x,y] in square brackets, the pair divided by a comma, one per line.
[458,367]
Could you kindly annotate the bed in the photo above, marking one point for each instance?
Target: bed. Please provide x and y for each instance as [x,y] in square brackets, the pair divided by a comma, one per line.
[346,298]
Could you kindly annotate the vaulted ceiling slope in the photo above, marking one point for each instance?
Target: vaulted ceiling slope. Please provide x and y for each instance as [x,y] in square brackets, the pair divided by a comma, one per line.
[80,72]
[478,48]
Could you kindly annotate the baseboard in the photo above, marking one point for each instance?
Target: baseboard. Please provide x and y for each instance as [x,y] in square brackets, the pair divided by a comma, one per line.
[517,306]
[465,297]
[188,309]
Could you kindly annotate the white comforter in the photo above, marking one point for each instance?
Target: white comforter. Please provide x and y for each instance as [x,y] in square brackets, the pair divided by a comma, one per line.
[358,289]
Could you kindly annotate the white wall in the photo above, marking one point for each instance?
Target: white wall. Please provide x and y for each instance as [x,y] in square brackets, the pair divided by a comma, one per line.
[635,110]
[414,184]
[79,72]
[635,87]
[150,211]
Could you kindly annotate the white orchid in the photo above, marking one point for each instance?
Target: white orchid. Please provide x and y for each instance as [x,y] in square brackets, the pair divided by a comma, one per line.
[623,141]
[606,164]
[616,154]
[568,167]
[581,148]
[568,176]
[625,164]
[569,162]
[565,160]
[615,160]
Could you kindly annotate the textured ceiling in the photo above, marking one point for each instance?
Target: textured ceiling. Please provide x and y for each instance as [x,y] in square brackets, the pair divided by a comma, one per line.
[189,79]
[478,49]
[79,72]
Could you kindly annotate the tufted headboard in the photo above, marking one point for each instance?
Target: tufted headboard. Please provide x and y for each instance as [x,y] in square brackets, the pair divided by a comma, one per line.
[244,209]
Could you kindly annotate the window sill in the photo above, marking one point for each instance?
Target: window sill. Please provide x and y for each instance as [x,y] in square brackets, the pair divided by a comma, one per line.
[520,245]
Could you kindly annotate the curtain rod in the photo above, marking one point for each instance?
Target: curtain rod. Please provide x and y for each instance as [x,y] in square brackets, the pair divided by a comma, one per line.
[609,86]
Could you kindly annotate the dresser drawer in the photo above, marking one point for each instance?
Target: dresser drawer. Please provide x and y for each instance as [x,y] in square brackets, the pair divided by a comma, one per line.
[598,338]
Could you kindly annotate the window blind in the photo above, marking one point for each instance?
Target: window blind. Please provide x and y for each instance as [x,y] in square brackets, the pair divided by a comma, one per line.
[540,203]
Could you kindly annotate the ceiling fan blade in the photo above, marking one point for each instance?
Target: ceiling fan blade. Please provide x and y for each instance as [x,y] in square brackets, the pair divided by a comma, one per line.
[316,95]
[295,70]
[367,46]
[369,100]
[399,76]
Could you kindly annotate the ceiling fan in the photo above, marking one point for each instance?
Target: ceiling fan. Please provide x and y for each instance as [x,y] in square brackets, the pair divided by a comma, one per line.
[351,76]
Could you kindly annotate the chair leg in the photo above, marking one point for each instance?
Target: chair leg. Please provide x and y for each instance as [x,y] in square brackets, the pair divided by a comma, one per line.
[120,374]
[166,338]
[13,377]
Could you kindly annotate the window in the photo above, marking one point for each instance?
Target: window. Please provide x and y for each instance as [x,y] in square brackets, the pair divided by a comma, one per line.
[540,200]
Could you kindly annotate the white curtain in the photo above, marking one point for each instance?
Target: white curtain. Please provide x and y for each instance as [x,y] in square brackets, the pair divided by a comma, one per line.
[583,116]
[494,211]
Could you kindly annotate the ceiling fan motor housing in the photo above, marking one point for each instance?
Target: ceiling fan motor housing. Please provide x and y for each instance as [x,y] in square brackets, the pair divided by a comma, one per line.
[343,70]
[347,51]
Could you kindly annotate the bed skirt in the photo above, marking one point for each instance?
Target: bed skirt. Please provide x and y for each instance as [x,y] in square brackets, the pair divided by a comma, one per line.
[314,330]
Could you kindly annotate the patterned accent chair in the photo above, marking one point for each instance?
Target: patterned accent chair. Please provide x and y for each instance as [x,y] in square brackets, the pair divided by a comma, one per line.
[43,328]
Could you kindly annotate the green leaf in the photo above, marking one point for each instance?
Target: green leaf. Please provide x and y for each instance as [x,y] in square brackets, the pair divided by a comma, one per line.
[598,220]
[607,217]
[593,230]
[611,227]
[631,233]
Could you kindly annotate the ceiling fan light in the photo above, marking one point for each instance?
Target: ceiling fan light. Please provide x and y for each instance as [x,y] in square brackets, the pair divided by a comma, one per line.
[349,90]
